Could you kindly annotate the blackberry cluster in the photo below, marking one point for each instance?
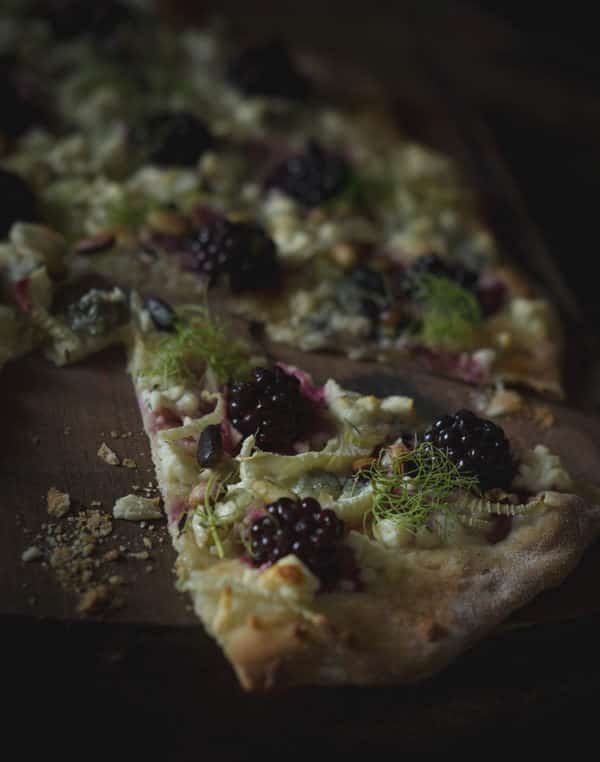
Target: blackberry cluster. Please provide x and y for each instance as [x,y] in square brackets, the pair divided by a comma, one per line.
[19,112]
[312,177]
[268,70]
[173,138]
[477,446]
[272,407]
[432,264]
[303,528]
[74,18]
[18,201]
[241,251]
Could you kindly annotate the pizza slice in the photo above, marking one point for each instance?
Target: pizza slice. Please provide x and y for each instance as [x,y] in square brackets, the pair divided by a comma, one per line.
[250,176]
[331,537]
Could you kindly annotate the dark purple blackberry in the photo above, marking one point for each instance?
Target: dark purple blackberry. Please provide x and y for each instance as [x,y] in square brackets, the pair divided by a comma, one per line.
[432,264]
[172,138]
[303,528]
[271,407]
[312,177]
[477,446]
[241,251]
[19,111]
[17,201]
[268,70]
[76,18]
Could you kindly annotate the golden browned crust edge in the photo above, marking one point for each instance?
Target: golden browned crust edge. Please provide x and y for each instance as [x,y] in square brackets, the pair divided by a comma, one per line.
[385,637]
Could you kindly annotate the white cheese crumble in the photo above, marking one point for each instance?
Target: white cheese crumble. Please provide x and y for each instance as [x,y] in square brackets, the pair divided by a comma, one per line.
[289,578]
[137,508]
[541,470]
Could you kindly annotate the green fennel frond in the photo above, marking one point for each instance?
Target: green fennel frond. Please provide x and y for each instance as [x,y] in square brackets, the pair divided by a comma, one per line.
[449,313]
[198,342]
[409,486]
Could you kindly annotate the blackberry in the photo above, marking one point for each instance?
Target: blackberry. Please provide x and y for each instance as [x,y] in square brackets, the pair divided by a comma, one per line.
[173,138]
[299,527]
[477,446]
[75,18]
[19,110]
[432,264]
[272,407]
[267,69]
[18,203]
[311,177]
[241,251]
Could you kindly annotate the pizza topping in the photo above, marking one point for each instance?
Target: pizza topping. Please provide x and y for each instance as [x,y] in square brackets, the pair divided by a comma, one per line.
[72,18]
[541,470]
[448,314]
[268,70]
[477,446]
[302,528]
[411,487]
[432,264]
[197,343]
[18,201]
[313,177]
[96,244]
[272,407]
[18,112]
[210,446]
[241,251]
[162,314]
[173,138]
[98,312]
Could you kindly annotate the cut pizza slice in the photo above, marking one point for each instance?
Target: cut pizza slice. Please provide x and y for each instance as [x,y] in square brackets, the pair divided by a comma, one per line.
[331,537]
[299,207]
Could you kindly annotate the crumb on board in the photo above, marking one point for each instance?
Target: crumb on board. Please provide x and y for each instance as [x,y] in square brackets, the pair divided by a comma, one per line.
[32,553]
[509,402]
[58,502]
[107,455]
[93,599]
[141,555]
[129,463]
[137,508]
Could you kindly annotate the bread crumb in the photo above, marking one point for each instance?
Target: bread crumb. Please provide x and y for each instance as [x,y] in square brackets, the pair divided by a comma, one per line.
[136,508]
[32,553]
[142,555]
[147,543]
[93,599]
[107,455]
[58,502]
[129,463]
[543,416]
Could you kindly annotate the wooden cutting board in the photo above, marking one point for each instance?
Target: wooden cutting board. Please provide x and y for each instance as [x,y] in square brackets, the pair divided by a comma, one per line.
[59,417]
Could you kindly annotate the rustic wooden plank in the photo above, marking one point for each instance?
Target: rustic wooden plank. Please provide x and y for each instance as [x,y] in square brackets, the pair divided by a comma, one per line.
[90,399]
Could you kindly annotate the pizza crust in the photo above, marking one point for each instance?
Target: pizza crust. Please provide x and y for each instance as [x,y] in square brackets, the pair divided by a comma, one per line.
[438,604]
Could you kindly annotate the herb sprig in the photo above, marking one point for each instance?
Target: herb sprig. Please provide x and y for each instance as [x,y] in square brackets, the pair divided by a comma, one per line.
[197,343]
[206,511]
[409,486]
[449,313]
